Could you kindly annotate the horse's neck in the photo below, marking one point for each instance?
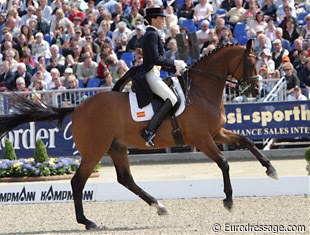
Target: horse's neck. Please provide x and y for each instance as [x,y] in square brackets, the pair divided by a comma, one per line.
[210,84]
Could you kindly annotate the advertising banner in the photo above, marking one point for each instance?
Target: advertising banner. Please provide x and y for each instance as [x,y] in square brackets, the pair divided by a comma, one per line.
[254,120]
[269,120]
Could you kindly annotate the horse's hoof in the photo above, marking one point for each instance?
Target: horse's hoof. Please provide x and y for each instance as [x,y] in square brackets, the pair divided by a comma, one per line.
[92,226]
[272,173]
[228,204]
[162,211]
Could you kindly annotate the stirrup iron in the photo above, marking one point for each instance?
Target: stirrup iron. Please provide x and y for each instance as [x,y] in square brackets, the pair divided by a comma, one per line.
[148,136]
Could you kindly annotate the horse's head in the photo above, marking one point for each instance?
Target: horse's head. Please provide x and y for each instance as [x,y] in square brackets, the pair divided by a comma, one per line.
[248,82]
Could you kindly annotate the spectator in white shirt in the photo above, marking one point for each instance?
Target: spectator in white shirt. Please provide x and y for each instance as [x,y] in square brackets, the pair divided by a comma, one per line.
[40,47]
[202,10]
[296,95]
[203,34]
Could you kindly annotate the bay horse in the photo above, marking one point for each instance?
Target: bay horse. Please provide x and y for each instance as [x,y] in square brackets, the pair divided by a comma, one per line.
[103,125]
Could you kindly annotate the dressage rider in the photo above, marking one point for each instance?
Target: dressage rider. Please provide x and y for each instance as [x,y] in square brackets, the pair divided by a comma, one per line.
[149,80]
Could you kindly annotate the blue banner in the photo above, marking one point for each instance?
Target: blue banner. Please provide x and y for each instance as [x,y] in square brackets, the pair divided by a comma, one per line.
[58,142]
[269,120]
[254,120]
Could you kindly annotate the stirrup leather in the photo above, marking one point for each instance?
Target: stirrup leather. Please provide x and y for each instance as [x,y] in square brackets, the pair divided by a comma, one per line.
[148,136]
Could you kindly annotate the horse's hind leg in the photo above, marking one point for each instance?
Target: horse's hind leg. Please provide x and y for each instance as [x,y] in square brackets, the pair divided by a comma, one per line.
[119,156]
[77,183]
[211,150]
[228,137]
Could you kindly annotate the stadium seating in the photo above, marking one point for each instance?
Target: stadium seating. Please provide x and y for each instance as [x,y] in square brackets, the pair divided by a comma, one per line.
[128,57]
[301,18]
[188,23]
[239,30]
[242,40]
[48,38]
[93,82]
[220,11]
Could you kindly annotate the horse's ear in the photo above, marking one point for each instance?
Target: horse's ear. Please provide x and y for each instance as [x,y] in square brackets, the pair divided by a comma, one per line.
[250,45]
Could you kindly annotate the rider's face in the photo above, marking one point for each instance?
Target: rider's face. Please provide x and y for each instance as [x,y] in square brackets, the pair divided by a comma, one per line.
[158,22]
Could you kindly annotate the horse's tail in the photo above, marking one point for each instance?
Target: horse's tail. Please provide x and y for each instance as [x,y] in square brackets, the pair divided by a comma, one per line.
[23,110]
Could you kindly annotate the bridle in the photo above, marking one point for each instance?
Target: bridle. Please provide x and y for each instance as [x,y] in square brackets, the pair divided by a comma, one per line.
[244,83]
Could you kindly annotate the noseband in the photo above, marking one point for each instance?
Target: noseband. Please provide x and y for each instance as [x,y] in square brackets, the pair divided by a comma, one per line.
[245,82]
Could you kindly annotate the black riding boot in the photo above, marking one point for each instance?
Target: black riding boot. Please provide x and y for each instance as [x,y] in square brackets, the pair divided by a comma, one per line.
[149,133]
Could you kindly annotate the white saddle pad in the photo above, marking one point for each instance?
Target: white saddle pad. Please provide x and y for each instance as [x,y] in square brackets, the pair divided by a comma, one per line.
[147,112]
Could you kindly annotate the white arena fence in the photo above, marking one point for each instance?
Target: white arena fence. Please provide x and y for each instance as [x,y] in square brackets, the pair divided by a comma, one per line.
[271,90]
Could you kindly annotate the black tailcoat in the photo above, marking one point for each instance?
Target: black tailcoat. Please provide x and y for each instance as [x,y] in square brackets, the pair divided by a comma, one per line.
[153,54]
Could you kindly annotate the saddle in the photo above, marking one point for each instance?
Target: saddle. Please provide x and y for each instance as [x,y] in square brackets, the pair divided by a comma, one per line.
[147,112]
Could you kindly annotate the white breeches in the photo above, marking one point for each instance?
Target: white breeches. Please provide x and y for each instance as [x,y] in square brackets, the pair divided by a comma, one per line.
[159,87]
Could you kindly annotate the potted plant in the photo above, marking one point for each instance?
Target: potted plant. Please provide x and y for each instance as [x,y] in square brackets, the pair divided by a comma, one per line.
[307,157]
[8,151]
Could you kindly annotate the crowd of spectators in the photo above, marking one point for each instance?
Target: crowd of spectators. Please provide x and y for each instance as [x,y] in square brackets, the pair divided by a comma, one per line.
[63,44]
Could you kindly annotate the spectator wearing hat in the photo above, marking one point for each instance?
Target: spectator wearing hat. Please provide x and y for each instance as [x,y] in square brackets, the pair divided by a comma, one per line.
[305,30]
[291,79]
[78,37]
[64,79]
[296,95]
[304,76]
[136,40]
[279,35]
[40,47]
[266,61]
[279,53]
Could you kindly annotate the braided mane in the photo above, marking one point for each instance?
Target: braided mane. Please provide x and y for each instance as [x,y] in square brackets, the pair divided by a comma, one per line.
[210,53]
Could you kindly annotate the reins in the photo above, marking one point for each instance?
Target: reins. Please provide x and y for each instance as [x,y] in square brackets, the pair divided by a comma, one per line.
[243,82]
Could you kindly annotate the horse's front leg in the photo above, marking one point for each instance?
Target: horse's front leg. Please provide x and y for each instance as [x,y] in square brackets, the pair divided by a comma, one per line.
[120,159]
[211,150]
[228,137]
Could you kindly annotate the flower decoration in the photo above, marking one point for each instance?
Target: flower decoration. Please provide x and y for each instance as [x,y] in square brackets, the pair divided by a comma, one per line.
[29,167]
